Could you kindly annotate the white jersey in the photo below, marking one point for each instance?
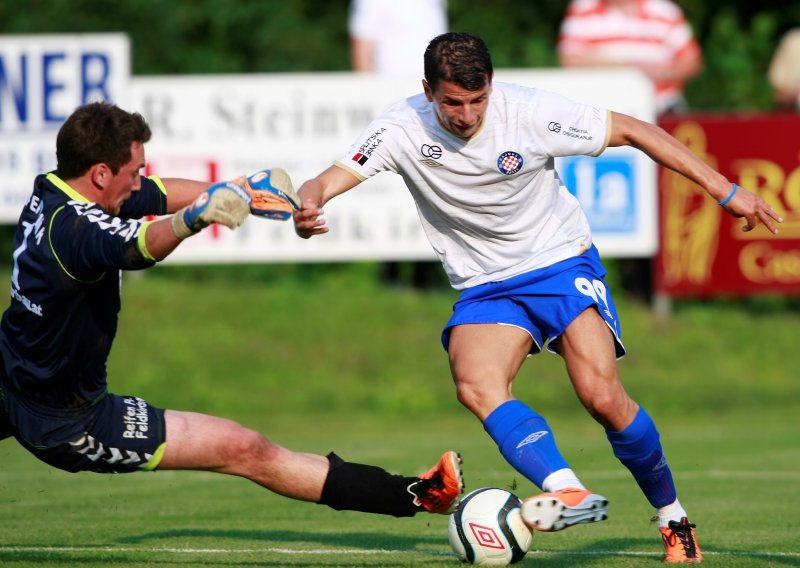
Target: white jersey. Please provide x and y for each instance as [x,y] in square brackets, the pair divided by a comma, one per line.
[492,206]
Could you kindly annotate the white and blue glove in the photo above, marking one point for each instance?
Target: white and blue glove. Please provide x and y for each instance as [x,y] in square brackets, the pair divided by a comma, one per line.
[225,203]
[272,194]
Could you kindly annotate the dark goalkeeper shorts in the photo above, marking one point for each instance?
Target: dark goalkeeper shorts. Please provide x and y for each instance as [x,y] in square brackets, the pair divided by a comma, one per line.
[119,434]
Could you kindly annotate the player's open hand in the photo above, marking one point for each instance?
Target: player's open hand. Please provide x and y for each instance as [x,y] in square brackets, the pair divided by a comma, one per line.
[746,204]
[308,220]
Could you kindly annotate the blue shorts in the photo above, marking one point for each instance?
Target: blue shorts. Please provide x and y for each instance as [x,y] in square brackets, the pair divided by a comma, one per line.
[543,302]
[118,434]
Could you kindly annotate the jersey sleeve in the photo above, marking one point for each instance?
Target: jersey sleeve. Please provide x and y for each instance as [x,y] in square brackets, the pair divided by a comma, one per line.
[151,199]
[568,128]
[87,241]
[371,152]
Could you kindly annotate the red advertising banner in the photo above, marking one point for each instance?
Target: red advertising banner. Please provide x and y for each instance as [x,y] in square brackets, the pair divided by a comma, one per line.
[702,250]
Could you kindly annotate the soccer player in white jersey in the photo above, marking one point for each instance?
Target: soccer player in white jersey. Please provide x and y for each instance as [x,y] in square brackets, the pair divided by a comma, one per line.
[478,158]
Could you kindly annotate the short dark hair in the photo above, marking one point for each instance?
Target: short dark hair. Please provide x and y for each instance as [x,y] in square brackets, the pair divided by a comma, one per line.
[96,133]
[459,58]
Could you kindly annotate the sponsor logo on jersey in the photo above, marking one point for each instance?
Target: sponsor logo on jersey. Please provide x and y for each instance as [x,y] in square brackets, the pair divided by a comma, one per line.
[571,131]
[26,302]
[128,229]
[509,163]
[368,147]
[431,153]
[580,133]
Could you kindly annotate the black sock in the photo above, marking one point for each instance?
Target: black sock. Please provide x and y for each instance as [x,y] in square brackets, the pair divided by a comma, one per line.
[367,488]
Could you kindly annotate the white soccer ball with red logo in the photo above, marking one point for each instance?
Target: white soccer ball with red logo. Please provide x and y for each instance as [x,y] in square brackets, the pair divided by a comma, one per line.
[487,529]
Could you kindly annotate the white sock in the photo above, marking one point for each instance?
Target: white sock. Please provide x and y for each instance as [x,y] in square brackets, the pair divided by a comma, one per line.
[672,512]
[561,479]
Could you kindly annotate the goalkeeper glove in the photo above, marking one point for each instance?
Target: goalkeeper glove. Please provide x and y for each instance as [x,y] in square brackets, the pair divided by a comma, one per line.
[225,203]
[272,194]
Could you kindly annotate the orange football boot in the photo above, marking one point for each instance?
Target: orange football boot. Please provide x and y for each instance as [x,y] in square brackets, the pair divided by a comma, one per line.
[680,543]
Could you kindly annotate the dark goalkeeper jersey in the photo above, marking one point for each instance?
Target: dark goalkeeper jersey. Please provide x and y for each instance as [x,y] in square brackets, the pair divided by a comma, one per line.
[65,291]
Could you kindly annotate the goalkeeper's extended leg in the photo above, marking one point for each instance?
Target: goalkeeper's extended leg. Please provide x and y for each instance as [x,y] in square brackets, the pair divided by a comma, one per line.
[370,489]
[203,442]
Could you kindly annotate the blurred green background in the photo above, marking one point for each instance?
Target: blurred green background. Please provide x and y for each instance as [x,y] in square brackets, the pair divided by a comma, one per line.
[225,36]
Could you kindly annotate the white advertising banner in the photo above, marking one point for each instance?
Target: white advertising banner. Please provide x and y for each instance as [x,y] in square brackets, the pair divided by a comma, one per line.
[42,79]
[217,127]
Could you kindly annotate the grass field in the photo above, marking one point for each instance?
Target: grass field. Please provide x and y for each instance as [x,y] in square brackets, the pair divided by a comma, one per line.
[333,366]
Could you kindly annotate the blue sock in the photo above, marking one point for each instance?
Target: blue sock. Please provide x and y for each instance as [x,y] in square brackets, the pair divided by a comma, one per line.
[638,447]
[525,440]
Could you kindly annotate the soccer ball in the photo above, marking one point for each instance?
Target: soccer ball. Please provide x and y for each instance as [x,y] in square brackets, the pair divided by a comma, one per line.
[487,529]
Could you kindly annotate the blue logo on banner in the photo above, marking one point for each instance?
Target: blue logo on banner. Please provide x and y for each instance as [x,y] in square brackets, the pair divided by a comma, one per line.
[605,188]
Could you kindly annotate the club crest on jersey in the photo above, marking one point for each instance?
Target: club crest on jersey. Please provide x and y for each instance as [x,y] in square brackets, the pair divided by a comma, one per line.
[509,163]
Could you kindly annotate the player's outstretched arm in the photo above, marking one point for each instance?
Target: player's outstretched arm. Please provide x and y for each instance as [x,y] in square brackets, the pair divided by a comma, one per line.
[667,151]
[181,192]
[225,203]
[314,194]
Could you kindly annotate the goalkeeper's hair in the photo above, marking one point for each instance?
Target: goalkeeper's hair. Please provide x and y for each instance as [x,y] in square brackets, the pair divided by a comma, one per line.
[459,58]
[96,133]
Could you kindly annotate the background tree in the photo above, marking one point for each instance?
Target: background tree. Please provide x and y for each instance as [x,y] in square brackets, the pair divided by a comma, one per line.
[225,36]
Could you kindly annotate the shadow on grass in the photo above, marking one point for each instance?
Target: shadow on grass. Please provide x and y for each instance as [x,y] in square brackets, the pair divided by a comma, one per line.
[105,555]
[86,559]
[355,540]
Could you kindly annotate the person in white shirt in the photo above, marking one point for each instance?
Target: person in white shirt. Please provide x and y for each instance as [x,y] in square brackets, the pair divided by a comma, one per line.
[388,37]
[477,156]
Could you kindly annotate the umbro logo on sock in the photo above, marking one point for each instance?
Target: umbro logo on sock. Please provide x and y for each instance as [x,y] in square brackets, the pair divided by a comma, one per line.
[532,438]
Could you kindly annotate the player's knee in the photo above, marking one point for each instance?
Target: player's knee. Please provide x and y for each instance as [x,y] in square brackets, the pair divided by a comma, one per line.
[478,397]
[608,407]
[249,444]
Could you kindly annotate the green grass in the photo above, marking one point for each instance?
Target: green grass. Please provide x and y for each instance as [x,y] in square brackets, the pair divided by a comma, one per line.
[744,502]
[339,364]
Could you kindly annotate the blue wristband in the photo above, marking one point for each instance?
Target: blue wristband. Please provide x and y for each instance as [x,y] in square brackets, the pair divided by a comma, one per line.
[730,195]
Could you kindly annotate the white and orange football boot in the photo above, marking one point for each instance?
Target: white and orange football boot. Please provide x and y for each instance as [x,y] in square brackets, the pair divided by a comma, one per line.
[561,509]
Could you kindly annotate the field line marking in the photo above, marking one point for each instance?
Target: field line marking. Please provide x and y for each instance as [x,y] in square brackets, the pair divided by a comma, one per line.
[369,551]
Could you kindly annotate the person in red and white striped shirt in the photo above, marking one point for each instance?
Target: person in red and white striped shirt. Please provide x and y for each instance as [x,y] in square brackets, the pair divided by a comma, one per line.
[650,35]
